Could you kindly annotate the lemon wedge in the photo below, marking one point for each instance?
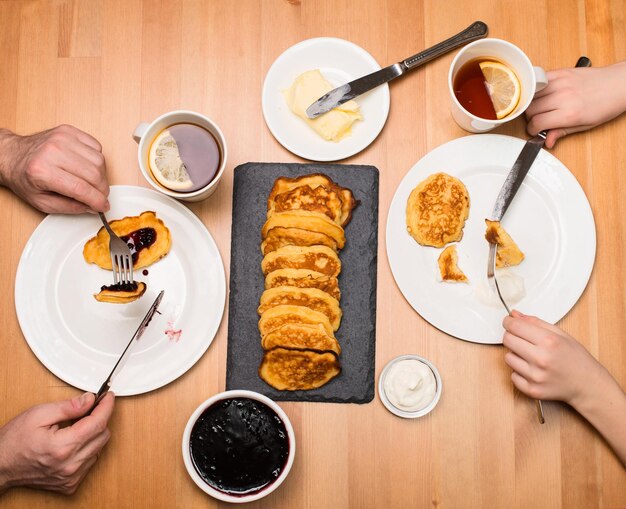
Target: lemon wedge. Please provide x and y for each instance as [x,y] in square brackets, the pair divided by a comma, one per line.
[503,87]
[166,165]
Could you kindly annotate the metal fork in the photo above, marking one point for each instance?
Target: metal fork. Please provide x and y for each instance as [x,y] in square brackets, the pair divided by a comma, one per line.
[121,257]
[493,281]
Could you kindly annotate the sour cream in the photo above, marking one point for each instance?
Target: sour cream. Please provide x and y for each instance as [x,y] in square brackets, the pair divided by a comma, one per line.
[410,385]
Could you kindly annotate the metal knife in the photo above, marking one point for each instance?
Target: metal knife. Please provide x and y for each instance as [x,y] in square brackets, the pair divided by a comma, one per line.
[522,164]
[344,93]
[104,388]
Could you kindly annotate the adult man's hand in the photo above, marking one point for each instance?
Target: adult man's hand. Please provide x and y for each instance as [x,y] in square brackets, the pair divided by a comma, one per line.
[61,170]
[35,451]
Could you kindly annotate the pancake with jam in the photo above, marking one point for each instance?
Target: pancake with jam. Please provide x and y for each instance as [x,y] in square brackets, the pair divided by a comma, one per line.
[304,220]
[146,235]
[448,266]
[279,237]
[278,316]
[303,278]
[507,254]
[321,199]
[292,370]
[318,258]
[437,209]
[312,298]
[121,293]
[302,336]
[286,184]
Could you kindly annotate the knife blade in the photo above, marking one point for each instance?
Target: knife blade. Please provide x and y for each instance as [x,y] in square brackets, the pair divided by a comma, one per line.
[348,91]
[106,386]
[517,174]
[521,166]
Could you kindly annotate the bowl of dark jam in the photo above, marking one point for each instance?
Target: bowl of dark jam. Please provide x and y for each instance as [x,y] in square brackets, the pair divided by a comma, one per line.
[238,446]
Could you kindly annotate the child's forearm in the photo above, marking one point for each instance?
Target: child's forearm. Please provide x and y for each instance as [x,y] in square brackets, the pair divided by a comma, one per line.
[604,406]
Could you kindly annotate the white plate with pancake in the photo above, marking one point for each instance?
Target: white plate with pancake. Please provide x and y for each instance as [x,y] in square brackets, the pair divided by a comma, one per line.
[80,339]
[340,62]
[550,219]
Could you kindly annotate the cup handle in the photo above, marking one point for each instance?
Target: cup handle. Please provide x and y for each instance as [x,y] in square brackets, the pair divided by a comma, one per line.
[540,79]
[139,131]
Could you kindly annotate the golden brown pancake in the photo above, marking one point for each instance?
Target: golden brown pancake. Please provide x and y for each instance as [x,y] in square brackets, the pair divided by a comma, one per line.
[303,278]
[96,249]
[311,221]
[120,295]
[279,237]
[448,266]
[507,254]
[278,316]
[321,199]
[292,370]
[312,298]
[437,209]
[319,258]
[285,184]
[303,336]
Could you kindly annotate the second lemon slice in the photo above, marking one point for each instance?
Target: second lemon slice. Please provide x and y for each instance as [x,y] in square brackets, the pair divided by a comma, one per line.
[503,87]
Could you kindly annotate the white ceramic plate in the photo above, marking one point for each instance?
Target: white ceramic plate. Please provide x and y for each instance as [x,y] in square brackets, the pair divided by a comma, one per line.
[340,62]
[550,220]
[79,339]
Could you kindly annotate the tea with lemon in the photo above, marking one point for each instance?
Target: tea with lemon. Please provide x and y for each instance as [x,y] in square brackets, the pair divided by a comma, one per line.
[184,157]
[487,88]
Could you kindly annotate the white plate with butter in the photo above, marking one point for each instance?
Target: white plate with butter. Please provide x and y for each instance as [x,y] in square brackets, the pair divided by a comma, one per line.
[550,220]
[339,62]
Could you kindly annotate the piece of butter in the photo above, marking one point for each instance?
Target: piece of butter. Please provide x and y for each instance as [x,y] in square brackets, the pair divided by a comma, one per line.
[308,88]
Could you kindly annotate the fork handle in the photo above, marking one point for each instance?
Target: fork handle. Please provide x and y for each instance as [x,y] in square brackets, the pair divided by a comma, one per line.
[106,224]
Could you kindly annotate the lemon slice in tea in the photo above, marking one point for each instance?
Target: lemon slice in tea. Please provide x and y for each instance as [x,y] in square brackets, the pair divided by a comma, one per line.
[166,164]
[503,87]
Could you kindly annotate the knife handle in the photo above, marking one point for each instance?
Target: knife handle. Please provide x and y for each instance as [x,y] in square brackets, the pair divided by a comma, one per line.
[476,30]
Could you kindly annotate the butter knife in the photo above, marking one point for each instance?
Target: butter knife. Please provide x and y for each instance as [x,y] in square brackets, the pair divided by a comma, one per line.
[344,93]
[104,388]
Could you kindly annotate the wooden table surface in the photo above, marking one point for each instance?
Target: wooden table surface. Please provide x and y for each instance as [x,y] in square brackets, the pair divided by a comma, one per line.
[104,66]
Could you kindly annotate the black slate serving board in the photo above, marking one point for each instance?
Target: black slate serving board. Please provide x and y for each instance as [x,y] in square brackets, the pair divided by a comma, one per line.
[357,281]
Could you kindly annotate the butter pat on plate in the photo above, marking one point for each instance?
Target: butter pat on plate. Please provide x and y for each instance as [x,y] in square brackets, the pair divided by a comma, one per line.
[308,88]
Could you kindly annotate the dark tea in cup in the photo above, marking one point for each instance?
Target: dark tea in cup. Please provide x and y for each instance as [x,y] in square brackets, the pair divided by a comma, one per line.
[487,88]
[184,157]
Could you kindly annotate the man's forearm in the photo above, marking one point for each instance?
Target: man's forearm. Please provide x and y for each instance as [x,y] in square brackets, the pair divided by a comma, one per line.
[7,149]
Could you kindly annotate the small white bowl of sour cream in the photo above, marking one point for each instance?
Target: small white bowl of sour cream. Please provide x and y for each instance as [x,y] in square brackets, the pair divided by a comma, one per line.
[409,386]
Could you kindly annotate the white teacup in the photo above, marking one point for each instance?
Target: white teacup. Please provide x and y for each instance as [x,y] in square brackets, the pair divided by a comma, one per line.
[532,79]
[145,133]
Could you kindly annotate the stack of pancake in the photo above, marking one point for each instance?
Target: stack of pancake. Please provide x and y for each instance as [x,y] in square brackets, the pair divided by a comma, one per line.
[299,308]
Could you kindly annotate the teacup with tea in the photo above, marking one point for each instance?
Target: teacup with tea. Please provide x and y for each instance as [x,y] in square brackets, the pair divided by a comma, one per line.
[491,82]
[182,154]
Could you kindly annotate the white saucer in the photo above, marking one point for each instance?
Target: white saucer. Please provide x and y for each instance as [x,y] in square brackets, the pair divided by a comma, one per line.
[340,62]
